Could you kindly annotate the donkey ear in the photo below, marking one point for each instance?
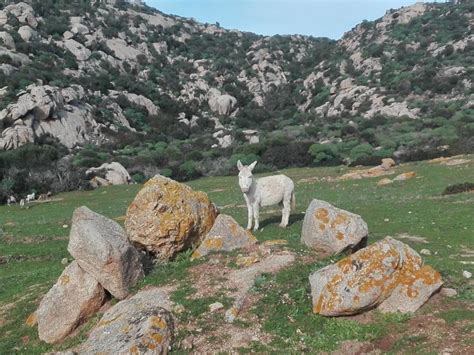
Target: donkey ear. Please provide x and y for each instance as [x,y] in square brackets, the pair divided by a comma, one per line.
[239,165]
[252,166]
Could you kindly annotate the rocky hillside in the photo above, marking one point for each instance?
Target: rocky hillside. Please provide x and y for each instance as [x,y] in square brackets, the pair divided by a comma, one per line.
[107,80]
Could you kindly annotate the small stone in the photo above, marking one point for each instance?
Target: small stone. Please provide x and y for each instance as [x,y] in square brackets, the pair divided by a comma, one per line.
[385,181]
[215,306]
[448,292]
[231,314]
[187,343]
[178,309]
[466,274]
[386,220]
[425,252]
[64,261]
[65,226]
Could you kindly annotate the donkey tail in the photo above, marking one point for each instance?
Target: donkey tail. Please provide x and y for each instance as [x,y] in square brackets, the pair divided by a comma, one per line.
[293,200]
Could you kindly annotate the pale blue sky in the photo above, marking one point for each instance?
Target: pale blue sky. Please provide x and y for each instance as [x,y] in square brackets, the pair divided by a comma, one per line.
[319,18]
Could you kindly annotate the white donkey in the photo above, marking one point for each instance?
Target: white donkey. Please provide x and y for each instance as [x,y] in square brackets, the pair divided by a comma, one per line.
[266,191]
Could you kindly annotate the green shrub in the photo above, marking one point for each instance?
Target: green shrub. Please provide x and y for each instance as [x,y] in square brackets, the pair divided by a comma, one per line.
[324,153]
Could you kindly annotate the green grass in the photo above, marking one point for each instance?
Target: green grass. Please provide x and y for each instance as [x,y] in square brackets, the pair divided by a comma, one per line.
[33,241]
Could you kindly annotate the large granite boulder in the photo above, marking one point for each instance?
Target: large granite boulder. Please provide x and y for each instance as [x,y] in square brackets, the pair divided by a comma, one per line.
[387,271]
[225,235]
[114,173]
[7,40]
[101,248]
[71,301]
[166,217]
[141,324]
[331,230]
[222,104]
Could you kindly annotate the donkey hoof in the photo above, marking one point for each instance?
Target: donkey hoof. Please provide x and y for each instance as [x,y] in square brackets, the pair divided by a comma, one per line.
[282,225]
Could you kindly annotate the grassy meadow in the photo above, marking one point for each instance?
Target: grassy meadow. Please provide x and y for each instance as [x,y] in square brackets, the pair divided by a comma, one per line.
[33,242]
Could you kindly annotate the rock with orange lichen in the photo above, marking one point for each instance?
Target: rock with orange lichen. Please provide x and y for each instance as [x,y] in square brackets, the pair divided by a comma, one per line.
[167,217]
[412,291]
[331,230]
[102,249]
[386,271]
[71,301]
[226,235]
[405,176]
[141,324]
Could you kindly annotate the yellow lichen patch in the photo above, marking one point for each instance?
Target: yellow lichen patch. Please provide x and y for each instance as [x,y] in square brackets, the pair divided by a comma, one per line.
[251,236]
[196,255]
[319,305]
[322,226]
[157,337]
[246,260]
[64,279]
[134,350]
[32,320]
[234,311]
[411,292]
[340,218]
[356,299]
[340,235]
[215,243]
[107,321]
[157,322]
[234,230]
[322,214]
[125,329]
[345,265]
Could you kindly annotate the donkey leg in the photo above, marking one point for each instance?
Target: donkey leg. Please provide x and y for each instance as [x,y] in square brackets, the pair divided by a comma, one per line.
[256,215]
[249,216]
[285,213]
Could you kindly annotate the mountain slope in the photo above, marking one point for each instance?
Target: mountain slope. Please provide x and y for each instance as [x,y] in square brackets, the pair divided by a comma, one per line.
[159,92]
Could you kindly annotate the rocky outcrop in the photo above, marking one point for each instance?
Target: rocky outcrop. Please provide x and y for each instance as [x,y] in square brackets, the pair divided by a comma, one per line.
[166,217]
[112,173]
[222,104]
[141,324]
[77,49]
[47,110]
[22,11]
[7,40]
[137,100]
[225,235]
[387,273]
[27,34]
[122,50]
[102,249]
[71,301]
[331,230]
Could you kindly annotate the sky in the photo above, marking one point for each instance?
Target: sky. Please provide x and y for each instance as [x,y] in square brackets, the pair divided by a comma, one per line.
[319,18]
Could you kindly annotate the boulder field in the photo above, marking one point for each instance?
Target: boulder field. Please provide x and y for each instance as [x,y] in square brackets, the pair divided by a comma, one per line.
[167,217]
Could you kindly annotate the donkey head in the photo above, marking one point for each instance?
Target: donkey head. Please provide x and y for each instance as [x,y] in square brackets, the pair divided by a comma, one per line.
[245,176]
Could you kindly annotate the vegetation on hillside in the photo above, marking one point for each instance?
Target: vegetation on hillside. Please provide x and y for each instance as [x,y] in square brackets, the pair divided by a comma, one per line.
[291,130]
